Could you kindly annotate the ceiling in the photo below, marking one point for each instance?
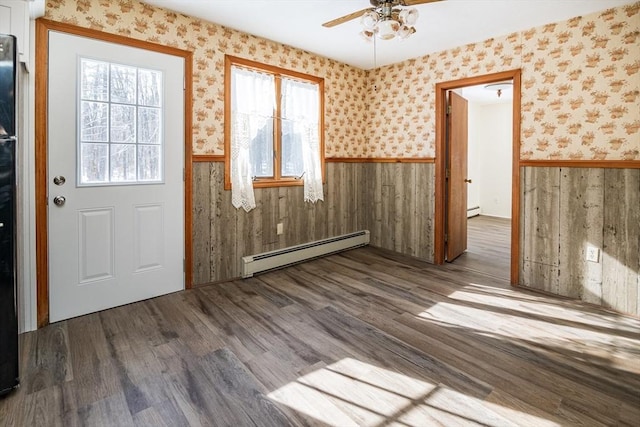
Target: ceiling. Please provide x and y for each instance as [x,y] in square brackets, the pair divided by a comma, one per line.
[483,95]
[441,25]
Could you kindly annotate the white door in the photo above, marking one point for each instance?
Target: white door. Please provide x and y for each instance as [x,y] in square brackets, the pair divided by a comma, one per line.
[115,175]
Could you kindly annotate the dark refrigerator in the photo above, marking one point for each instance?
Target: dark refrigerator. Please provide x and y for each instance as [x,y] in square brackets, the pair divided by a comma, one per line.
[8,299]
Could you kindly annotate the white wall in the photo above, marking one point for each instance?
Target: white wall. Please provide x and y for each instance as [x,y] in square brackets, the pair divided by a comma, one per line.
[28,314]
[490,158]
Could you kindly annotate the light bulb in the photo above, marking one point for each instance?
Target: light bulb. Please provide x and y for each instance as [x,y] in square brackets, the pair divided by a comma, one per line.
[387,29]
[408,16]
[367,35]
[369,19]
[405,32]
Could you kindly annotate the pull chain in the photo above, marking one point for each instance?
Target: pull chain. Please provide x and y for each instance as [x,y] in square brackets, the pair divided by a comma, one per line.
[375,58]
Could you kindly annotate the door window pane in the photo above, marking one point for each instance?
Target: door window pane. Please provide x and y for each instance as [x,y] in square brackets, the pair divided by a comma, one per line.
[123,123]
[149,162]
[120,124]
[95,161]
[149,125]
[94,124]
[95,80]
[123,84]
[123,163]
[149,88]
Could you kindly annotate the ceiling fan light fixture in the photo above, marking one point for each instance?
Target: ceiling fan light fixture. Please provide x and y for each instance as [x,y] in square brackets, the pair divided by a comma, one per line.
[387,29]
[369,20]
[367,35]
[405,31]
[409,16]
[386,21]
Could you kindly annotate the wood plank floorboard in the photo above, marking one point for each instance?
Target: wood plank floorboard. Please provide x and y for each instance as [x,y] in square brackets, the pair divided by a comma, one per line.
[362,338]
[488,246]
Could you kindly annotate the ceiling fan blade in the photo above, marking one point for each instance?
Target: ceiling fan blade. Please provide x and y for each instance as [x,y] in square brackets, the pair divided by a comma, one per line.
[346,18]
[415,2]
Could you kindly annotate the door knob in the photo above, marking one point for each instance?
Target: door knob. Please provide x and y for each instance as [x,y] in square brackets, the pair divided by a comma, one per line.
[59,200]
[468,180]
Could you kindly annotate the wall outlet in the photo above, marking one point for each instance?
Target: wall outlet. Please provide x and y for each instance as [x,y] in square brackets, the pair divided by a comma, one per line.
[279,228]
[592,254]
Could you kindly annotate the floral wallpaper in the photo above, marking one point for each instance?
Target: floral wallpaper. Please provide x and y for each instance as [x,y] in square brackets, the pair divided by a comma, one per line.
[344,85]
[402,116]
[580,90]
[580,81]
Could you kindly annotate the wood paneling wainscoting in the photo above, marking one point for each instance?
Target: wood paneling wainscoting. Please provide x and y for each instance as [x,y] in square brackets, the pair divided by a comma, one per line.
[392,200]
[222,234]
[399,209]
[566,209]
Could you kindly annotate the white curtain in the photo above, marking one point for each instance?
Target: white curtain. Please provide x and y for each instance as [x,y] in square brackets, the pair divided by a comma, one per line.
[252,104]
[301,104]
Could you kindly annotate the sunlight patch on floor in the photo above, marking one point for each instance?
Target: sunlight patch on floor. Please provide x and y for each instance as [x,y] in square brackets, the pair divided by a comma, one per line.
[354,393]
[559,308]
[526,328]
[350,392]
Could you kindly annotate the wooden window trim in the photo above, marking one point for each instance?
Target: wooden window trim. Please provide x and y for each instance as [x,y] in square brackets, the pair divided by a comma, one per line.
[277,181]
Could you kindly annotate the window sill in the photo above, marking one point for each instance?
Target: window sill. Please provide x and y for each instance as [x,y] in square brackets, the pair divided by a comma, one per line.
[266,183]
[270,183]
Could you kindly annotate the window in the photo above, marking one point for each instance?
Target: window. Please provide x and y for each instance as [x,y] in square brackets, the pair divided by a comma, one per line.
[120,124]
[273,130]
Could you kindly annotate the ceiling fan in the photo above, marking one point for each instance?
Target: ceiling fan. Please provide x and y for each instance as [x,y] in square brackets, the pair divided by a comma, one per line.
[385,10]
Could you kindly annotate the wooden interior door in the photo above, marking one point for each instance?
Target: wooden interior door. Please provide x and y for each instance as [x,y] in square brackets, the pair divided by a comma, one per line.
[456,208]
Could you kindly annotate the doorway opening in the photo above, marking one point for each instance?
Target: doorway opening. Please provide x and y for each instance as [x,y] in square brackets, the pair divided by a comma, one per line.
[453,180]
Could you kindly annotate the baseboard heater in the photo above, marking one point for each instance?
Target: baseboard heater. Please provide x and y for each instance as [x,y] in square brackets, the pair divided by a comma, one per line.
[295,254]
[474,211]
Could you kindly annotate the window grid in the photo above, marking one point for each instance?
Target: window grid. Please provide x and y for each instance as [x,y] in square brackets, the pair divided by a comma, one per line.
[113,153]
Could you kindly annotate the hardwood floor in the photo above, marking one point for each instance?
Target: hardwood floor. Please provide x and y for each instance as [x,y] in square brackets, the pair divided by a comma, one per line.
[363,338]
[488,246]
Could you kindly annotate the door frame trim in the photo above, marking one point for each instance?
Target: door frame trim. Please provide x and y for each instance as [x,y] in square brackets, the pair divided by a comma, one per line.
[441,161]
[43,26]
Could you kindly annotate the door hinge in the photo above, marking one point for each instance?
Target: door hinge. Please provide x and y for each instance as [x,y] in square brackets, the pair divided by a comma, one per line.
[448,109]
[446,237]
[184,265]
[184,175]
[446,173]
